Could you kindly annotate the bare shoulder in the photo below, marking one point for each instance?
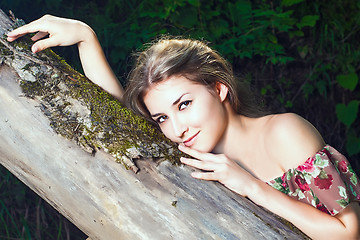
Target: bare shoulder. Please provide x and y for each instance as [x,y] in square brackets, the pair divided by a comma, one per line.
[290,139]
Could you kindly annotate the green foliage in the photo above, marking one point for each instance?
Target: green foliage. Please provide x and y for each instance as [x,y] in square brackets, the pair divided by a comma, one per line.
[348,81]
[347,114]
[299,55]
[352,144]
[238,29]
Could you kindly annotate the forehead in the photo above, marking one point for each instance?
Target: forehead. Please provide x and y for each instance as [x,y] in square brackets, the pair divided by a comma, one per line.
[166,92]
[168,89]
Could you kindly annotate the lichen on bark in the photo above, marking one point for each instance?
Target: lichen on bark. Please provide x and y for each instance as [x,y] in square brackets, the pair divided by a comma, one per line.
[81,111]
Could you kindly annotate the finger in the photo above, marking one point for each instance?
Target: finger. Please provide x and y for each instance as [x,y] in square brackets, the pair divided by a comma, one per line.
[209,176]
[23,30]
[43,44]
[39,35]
[194,153]
[12,37]
[35,26]
[204,165]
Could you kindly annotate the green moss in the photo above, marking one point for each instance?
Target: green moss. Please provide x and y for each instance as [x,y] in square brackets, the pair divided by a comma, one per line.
[5,51]
[32,89]
[112,126]
[23,44]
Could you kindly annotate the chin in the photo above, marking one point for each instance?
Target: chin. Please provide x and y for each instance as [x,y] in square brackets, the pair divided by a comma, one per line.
[203,148]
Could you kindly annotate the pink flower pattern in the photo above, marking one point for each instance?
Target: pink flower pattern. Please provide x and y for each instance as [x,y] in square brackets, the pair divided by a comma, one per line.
[308,166]
[326,181]
[283,179]
[322,208]
[302,183]
[323,183]
[343,166]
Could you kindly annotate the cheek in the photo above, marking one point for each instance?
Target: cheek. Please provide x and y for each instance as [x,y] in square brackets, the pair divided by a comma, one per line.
[166,130]
[200,114]
[215,119]
[209,111]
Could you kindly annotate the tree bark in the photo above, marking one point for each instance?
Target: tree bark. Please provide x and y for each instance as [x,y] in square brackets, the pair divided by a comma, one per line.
[63,137]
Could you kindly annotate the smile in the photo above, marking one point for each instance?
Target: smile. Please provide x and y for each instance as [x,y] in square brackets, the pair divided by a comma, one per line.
[191,140]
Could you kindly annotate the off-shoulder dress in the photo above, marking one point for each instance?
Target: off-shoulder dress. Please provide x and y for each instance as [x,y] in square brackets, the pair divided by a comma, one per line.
[326,181]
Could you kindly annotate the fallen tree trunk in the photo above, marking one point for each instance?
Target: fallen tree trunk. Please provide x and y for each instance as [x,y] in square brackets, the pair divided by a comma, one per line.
[63,137]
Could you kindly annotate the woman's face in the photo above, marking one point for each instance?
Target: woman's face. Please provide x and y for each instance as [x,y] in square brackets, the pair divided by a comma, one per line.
[187,112]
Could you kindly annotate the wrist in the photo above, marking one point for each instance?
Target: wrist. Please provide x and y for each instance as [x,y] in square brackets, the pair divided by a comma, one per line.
[88,36]
[254,189]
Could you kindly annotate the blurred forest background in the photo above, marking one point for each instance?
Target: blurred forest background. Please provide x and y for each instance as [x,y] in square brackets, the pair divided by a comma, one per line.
[299,56]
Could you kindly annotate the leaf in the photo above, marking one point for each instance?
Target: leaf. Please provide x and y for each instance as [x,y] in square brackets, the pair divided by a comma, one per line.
[289,104]
[308,89]
[348,81]
[317,201]
[323,174]
[299,194]
[288,3]
[195,3]
[321,86]
[289,175]
[342,192]
[308,178]
[303,51]
[342,202]
[308,21]
[243,7]
[219,28]
[277,185]
[263,91]
[354,179]
[272,38]
[187,17]
[352,144]
[347,114]
[319,162]
[297,33]
[353,191]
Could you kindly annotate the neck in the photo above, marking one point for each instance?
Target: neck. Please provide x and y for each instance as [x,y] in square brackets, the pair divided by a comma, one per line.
[236,141]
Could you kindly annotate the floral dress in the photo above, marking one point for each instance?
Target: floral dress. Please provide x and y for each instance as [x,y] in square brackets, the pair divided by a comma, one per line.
[326,181]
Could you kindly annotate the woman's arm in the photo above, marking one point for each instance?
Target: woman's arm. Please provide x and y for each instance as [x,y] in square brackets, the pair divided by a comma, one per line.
[291,140]
[54,31]
[313,222]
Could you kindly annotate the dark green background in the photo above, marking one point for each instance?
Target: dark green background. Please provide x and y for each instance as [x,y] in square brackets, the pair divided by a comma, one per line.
[299,56]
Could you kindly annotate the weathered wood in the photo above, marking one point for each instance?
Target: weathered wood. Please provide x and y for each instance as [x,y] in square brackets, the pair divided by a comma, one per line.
[98,195]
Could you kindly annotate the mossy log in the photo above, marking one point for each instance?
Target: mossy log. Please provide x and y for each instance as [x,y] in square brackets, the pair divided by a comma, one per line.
[64,138]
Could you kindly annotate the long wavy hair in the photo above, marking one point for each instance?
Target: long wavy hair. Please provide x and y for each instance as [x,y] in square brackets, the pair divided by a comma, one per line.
[192,59]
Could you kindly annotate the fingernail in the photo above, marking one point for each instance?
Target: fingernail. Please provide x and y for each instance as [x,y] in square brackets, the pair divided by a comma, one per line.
[34,49]
[194,174]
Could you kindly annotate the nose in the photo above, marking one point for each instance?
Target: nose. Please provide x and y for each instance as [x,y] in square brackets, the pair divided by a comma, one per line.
[179,127]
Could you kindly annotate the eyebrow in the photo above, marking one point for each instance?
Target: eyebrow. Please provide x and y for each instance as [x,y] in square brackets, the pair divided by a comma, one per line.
[174,103]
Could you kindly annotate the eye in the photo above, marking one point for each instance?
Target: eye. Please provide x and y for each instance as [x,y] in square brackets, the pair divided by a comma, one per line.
[184,105]
[161,119]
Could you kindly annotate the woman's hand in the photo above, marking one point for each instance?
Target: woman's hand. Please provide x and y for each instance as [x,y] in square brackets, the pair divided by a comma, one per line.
[220,168]
[52,31]
[55,31]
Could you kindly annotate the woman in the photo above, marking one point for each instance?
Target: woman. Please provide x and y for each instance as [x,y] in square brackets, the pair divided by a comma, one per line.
[189,91]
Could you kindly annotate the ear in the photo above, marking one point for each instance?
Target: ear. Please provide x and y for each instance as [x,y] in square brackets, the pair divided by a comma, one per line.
[222,90]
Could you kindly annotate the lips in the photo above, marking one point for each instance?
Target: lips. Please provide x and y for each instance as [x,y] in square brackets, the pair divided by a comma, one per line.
[191,140]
